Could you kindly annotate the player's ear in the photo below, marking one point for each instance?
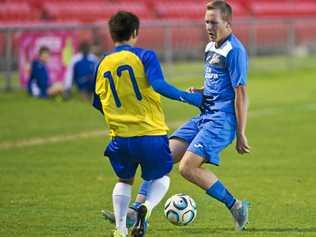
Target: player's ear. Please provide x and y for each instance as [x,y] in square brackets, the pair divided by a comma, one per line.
[228,24]
[134,34]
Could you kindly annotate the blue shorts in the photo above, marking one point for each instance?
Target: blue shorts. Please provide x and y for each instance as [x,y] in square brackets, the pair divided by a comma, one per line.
[152,153]
[208,134]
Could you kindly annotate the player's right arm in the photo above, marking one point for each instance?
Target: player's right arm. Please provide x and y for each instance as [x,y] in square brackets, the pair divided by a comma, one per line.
[156,80]
[96,102]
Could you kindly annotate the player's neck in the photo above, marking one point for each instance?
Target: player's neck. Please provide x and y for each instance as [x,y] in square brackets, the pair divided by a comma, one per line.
[220,42]
[127,42]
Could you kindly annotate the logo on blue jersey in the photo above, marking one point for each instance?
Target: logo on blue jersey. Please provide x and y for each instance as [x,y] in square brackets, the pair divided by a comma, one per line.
[216,59]
[209,75]
[198,145]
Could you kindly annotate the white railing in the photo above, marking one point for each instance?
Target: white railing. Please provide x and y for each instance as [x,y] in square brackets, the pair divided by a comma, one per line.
[175,40]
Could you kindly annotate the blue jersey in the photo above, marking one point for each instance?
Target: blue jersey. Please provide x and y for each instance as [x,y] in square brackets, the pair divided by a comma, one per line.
[225,69]
[39,76]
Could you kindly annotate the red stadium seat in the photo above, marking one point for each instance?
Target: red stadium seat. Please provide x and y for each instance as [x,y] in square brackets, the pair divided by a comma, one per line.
[239,9]
[90,11]
[17,12]
[281,9]
[180,9]
[305,32]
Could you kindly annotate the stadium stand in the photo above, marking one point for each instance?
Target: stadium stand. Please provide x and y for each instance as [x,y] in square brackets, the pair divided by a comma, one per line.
[282,9]
[14,12]
[96,10]
[176,11]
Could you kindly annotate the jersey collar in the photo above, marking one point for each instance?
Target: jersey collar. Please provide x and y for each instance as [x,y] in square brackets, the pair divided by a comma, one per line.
[122,47]
[223,41]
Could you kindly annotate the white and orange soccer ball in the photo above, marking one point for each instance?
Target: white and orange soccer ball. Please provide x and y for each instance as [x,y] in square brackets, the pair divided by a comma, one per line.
[180,209]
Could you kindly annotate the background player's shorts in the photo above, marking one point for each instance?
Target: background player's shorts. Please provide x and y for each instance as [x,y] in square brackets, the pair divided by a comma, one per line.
[152,153]
[208,134]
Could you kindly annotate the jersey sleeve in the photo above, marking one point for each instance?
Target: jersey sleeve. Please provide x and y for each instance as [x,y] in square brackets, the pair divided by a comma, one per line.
[237,65]
[98,88]
[152,66]
[156,79]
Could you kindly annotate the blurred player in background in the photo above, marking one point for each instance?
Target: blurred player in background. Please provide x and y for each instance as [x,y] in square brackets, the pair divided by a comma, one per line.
[81,72]
[39,84]
[128,83]
[223,115]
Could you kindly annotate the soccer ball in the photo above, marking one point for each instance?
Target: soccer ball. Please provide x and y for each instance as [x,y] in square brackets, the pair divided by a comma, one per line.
[180,209]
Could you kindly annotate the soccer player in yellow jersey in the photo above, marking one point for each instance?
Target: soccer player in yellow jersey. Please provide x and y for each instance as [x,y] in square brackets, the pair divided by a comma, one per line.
[223,115]
[127,87]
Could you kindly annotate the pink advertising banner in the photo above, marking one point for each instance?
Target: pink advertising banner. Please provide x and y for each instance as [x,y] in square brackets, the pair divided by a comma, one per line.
[62,46]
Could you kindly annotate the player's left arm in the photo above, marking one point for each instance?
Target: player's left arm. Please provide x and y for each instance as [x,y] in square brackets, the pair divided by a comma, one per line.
[156,80]
[238,70]
[241,108]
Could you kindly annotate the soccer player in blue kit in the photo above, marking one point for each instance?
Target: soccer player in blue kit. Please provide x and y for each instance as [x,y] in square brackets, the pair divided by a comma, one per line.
[223,115]
[128,82]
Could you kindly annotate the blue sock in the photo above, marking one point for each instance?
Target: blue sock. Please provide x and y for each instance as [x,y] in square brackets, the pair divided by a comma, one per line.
[144,188]
[220,193]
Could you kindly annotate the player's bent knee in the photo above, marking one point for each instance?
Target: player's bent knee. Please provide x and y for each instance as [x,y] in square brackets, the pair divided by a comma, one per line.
[184,170]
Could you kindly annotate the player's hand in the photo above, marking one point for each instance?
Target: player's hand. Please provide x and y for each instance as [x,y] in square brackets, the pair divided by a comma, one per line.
[242,145]
[194,90]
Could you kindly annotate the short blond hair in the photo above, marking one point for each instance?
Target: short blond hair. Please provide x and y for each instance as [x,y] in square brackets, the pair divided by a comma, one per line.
[225,9]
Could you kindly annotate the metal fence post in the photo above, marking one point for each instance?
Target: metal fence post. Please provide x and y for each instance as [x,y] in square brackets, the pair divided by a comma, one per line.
[291,44]
[8,60]
[253,38]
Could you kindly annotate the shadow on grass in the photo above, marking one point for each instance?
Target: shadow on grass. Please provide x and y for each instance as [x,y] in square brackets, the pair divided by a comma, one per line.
[284,229]
[249,230]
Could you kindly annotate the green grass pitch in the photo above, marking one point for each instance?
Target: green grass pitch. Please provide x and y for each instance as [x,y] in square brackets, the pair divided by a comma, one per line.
[54,179]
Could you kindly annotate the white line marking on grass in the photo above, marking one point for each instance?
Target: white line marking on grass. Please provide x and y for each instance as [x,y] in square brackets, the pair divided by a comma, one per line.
[100,133]
[51,139]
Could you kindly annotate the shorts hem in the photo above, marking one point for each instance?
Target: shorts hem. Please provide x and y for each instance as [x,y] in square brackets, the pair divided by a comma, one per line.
[158,176]
[180,138]
[206,159]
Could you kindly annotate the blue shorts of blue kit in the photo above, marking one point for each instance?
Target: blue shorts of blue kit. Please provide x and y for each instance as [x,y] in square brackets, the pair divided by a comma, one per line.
[152,153]
[208,134]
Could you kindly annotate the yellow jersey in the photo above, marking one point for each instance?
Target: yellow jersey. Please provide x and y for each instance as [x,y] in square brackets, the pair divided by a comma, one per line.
[123,93]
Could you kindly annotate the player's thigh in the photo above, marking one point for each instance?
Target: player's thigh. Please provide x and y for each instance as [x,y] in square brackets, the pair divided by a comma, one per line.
[154,156]
[122,163]
[178,147]
[182,137]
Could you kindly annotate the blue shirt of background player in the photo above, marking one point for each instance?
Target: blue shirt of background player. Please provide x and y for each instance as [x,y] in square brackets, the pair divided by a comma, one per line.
[83,73]
[226,68]
[155,78]
[39,76]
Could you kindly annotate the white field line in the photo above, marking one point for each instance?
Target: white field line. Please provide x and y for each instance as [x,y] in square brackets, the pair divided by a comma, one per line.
[51,139]
[100,133]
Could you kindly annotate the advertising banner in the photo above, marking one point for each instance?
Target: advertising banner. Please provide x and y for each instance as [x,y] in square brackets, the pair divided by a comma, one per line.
[62,46]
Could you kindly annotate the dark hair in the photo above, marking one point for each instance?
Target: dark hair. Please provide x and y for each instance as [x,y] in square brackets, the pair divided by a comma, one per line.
[122,25]
[84,47]
[43,49]
[225,9]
